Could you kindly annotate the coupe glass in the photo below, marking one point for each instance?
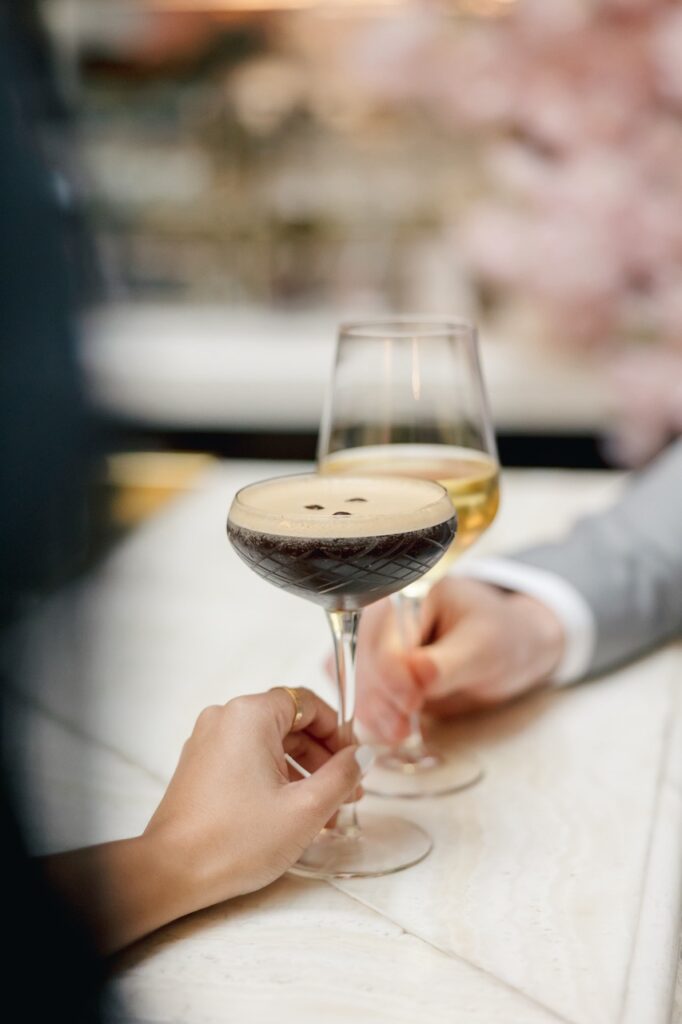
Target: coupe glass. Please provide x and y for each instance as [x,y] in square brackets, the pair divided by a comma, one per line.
[343,543]
[407,398]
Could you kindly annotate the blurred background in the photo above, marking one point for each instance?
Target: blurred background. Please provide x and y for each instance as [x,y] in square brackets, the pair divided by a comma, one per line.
[257,170]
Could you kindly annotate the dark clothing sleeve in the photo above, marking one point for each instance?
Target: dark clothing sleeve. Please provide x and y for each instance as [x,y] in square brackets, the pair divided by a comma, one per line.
[51,972]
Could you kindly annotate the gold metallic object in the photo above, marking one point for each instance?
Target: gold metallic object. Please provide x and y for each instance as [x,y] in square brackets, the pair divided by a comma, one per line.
[298,706]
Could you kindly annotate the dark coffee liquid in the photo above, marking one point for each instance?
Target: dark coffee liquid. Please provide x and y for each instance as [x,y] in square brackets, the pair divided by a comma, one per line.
[343,573]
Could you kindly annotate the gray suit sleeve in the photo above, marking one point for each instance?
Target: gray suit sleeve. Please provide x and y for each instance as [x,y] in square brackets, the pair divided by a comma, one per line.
[627,563]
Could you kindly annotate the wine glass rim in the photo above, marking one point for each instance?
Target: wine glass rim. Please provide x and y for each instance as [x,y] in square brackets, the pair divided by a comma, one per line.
[407,327]
[438,490]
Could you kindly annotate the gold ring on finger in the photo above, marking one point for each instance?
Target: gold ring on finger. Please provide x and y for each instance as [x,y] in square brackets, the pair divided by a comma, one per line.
[298,706]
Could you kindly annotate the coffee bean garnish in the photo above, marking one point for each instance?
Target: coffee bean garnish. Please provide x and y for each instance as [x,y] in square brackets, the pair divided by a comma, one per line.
[316,508]
[343,513]
[356,499]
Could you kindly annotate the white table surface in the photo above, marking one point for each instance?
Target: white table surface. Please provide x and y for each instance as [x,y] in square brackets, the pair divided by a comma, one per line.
[553,893]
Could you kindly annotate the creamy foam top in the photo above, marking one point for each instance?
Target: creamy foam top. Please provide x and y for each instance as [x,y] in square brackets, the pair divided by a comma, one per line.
[348,506]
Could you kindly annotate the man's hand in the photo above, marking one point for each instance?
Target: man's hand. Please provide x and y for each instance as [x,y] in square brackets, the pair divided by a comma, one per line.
[480,646]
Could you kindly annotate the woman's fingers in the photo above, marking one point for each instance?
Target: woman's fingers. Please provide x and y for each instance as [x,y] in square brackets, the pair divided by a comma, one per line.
[305,749]
[232,769]
[318,798]
[317,718]
[311,755]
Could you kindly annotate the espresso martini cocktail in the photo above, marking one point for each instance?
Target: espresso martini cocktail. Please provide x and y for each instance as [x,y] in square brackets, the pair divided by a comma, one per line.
[342,543]
[345,542]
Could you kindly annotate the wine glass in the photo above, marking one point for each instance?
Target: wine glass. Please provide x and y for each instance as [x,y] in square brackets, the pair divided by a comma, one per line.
[407,398]
[343,543]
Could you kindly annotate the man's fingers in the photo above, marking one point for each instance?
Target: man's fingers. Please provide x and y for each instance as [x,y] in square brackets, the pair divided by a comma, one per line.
[438,598]
[383,719]
[376,620]
[461,703]
[391,678]
[455,662]
[451,600]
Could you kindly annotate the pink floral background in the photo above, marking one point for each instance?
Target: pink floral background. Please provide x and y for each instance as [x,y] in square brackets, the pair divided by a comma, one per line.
[578,104]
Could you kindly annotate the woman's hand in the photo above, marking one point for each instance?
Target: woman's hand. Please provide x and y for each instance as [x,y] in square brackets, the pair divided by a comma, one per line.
[480,646]
[231,821]
[230,811]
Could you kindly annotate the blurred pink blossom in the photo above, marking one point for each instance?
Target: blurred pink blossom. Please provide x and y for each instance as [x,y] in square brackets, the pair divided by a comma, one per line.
[546,18]
[578,105]
[666,46]
[648,384]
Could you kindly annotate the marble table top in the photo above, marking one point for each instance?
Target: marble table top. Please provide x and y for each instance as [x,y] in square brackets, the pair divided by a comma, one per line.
[553,893]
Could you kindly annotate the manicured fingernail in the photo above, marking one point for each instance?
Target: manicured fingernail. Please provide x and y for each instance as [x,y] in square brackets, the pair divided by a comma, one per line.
[365,755]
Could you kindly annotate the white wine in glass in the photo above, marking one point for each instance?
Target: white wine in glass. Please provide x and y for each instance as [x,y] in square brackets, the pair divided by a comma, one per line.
[408,399]
[471,478]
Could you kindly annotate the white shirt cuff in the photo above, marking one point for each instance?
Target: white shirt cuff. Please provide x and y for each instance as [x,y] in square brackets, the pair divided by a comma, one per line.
[567,603]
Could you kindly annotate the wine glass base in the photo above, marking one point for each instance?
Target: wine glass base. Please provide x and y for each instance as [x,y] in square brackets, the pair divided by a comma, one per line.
[381,846]
[430,775]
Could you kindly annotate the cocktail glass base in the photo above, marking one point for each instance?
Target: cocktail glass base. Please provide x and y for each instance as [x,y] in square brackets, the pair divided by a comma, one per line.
[397,774]
[381,846]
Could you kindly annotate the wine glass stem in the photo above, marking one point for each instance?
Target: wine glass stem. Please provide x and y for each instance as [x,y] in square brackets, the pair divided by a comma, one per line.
[409,608]
[344,627]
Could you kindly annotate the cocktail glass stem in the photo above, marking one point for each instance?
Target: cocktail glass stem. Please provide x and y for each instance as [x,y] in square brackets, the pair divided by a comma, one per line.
[344,627]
